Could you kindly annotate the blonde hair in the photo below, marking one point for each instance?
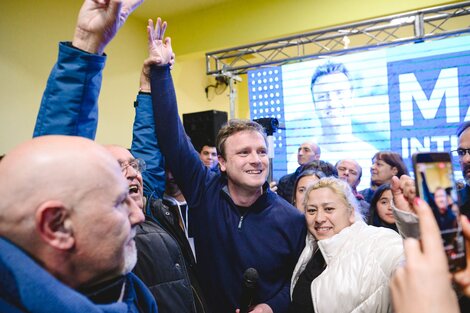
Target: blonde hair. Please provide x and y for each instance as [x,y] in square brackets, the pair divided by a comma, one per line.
[341,189]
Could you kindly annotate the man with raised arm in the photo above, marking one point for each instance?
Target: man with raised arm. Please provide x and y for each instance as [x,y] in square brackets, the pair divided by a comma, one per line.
[238,223]
[97,24]
[69,107]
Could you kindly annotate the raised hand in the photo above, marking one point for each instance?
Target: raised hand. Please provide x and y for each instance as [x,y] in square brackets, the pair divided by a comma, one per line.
[159,49]
[404,192]
[99,21]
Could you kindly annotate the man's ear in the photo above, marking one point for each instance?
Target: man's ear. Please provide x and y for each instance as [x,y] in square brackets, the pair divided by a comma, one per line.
[222,162]
[54,225]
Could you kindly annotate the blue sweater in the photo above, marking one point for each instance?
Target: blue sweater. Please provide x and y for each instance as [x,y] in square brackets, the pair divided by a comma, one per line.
[27,287]
[269,237]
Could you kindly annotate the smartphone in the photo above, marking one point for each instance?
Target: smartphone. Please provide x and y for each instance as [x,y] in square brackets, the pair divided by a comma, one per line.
[435,184]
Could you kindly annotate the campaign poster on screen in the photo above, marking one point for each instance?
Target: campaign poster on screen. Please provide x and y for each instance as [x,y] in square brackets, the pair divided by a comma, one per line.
[405,99]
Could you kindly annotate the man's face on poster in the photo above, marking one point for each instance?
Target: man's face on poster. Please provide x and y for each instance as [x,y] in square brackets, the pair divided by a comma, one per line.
[332,96]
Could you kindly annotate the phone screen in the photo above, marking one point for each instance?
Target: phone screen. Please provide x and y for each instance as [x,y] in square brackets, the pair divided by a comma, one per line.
[435,184]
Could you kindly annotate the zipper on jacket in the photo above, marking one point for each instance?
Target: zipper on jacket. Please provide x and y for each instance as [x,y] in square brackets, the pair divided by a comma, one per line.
[242,217]
[241,221]
[201,304]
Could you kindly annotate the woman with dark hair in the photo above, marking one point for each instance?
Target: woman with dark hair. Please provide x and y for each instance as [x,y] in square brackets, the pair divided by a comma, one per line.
[381,213]
[385,165]
[325,167]
[310,173]
[306,179]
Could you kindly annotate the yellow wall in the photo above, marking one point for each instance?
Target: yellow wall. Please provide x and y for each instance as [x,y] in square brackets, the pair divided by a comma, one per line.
[29,36]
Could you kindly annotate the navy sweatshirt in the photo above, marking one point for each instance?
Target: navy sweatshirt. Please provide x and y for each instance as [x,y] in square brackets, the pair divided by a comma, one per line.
[269,237]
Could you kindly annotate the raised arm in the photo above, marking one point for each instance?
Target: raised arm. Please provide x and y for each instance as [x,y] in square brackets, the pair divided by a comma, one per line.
[144,140]
[70,101]
[182,159]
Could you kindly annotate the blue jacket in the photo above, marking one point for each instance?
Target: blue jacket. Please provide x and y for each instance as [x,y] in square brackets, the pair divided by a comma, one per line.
[145,146]
[27,287]
[269,237]
[165,261]
[69,106]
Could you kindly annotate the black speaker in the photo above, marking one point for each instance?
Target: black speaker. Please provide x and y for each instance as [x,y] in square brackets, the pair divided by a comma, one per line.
[202,127]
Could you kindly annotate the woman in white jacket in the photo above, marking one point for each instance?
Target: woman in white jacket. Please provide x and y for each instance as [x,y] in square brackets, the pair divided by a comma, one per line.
[346,265]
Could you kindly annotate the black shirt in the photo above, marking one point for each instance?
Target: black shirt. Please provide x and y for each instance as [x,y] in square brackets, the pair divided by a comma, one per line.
[301,296]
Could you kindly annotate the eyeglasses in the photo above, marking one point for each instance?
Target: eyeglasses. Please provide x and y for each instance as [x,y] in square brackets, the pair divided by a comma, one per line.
[461,152]
[138,165]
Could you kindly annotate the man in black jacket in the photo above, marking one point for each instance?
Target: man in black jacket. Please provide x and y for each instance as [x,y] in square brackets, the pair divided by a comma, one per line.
[165,262]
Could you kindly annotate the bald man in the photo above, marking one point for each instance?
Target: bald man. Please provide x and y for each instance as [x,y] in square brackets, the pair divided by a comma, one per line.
[166,262]
[308,152]
[67,222]
[351,172]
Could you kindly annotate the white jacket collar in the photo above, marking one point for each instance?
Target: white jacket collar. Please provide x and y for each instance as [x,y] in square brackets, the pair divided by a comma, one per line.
[331,246]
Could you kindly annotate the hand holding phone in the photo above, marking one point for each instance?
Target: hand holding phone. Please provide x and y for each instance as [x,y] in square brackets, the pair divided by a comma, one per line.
[423,284]
[435,184]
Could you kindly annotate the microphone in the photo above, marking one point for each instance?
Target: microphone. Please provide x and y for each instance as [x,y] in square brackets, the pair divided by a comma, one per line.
[249,288]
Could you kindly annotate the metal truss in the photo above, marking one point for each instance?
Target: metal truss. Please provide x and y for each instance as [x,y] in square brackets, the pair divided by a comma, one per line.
[442,21]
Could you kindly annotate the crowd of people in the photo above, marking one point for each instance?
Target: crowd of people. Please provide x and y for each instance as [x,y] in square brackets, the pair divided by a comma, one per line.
[162,227]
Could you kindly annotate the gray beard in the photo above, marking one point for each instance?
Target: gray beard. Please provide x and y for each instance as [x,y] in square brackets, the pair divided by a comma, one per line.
[130,260]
